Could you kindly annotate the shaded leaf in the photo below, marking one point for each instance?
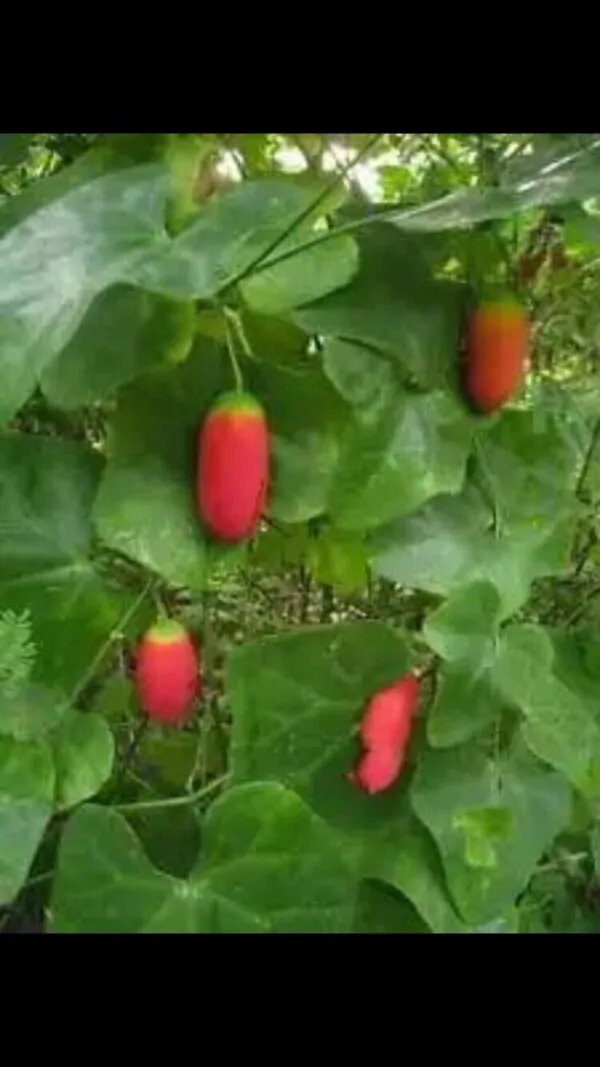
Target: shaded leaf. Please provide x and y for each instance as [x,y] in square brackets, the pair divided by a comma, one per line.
[31,712]
[46,495]
[14,148]
[395,305]
[381,910]
[268,865]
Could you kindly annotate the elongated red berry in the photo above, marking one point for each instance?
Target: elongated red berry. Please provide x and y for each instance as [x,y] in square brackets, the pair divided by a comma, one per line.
[233,467]
[388,718]
[377,770]
[496,356]
[167,672]
[384,731]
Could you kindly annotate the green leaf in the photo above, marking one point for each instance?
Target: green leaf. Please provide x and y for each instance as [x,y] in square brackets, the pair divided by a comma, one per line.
[558,727]
[296,701]
[400,450]
[381,910]
[173,757]
[14,148]
[83,750]
[576,176]
[124,333]
[113,152]
[465,705]
[492,819]
[268,865]
[303,278]
[32,712]
[146,506]
[530,464]
[395,305]
[449,543]
[170,837]
[230,233]
[26,792]
[54,263]
[338,559]
[465,628]
[46,494]
[274,864]
[403,855]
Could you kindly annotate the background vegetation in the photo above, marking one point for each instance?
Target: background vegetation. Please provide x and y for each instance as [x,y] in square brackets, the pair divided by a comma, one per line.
[402,530]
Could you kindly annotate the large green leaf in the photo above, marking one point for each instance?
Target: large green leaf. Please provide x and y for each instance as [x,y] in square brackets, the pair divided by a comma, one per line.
[146,505]
[54,263]
[395,305]
[381,910]
[297,700]
[83,749]
[402,854]
[465,704]
[46,495]
[231,232]
[26,793]
[303,278]
[125,332]
[449,543]
[529,465]
[268,865]
[401,448]
[492,819]
[559,727]
[111,230]
[14,148]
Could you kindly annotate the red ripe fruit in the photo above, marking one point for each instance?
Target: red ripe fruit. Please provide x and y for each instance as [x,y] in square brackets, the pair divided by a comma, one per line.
[233,467]
[496,355]
[384,731]
[388,718]
[377,770]
[166,672]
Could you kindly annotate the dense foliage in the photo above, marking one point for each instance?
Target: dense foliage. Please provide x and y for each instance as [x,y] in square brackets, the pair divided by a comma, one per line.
[405,533]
